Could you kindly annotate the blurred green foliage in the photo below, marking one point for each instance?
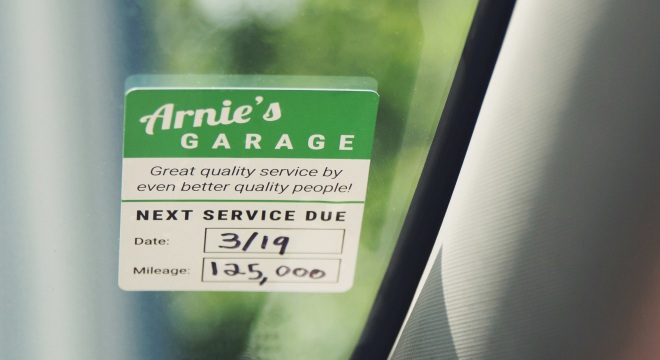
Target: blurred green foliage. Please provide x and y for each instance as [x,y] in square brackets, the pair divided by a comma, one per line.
[411,47]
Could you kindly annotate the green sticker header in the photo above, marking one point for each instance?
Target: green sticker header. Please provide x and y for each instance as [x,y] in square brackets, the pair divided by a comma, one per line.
[250,117]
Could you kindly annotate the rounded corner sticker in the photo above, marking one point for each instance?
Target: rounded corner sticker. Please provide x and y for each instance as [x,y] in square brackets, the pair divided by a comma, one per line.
[249,184]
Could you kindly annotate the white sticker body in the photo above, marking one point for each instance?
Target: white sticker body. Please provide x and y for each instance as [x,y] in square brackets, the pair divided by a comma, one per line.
[241,232]
[244,188]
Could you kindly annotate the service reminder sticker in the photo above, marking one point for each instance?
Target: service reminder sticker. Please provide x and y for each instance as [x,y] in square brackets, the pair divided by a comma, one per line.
[244,183]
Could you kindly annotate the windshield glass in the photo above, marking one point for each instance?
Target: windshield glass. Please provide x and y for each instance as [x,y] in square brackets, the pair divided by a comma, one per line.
[65,67]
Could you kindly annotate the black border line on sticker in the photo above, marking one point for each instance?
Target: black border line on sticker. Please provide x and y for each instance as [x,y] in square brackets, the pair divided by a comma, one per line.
[341,250]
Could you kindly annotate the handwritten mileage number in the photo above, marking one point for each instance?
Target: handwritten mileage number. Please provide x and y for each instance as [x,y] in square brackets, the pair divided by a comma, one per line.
[262,271]
[275,247]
